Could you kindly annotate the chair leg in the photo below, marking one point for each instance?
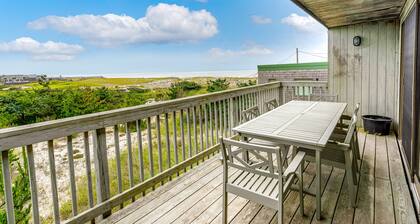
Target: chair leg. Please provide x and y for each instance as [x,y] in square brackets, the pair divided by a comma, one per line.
[225,205]
[356,146]
[280,212]
[354,167]
[350,178]
[302,212]
[280,203]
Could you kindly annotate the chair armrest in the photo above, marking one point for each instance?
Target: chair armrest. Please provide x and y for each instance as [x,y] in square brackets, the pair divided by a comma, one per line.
[294,165]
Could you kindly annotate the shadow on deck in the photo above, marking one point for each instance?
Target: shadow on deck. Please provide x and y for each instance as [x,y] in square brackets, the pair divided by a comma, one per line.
[196,197]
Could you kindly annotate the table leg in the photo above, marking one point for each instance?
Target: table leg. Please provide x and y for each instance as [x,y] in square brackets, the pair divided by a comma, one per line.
[245,155]
[318,185]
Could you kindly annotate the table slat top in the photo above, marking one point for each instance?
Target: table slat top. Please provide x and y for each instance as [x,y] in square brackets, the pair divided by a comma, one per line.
[306,122]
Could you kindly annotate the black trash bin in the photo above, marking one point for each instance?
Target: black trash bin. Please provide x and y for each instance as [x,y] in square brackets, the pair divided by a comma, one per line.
[375,124]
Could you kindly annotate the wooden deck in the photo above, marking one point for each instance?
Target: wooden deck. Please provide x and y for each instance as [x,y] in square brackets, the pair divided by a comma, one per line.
[383,195]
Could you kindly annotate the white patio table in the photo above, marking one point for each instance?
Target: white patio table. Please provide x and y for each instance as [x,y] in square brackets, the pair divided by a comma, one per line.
[299,123]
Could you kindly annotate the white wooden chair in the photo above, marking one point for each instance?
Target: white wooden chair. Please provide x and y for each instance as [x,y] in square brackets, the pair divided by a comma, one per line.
[342,128]
[252,113]
[268,184]
[340,155]
[271,104]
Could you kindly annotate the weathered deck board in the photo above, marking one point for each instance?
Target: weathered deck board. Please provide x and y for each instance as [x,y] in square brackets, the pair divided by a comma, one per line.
[383,195]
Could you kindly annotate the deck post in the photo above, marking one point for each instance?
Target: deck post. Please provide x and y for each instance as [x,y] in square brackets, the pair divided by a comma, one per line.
[282,95]
[101,168]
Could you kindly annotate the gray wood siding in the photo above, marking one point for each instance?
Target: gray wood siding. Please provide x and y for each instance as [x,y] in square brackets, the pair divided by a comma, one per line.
[368,74]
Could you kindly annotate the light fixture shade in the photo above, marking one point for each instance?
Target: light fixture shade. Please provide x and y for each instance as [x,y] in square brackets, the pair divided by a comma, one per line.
[357,41]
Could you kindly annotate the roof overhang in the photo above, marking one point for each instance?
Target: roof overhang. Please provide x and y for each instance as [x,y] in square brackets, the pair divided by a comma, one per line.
[334,13]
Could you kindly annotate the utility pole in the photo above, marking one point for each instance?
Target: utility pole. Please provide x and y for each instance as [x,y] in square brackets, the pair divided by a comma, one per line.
[297,55]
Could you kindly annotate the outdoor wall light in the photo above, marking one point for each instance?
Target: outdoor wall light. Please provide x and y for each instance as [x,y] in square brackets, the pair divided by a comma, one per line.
[357,41]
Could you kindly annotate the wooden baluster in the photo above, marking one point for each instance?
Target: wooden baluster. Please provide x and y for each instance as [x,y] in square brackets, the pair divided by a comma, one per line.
[211,113]
[189,132]
[195,131]
[72,175]
[150,146]
[7,185]
[117,159]
[168,143]
[225,121]
[159,143]
[240,108]
[253,100]
[32,182]
[263,96]
[232,109]
[200,116]
[229,114]
[175,138]
[53,178]
[247,101]
[206,127]
[140,148]
[101,168]
[216,121]
[89,169]
[221,117]
[130,155]
[181,121]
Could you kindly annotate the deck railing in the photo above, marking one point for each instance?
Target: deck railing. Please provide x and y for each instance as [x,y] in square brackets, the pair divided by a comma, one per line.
[132,150]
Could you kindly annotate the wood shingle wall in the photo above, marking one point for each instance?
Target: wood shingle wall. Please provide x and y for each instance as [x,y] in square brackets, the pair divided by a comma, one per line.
[368,74]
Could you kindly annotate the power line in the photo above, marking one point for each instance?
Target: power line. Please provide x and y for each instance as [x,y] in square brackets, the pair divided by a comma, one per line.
[323,53]
[312,54]
[285,59]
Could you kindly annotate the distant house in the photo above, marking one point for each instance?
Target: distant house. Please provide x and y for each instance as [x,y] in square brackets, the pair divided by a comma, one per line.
[17,79]
[316,71]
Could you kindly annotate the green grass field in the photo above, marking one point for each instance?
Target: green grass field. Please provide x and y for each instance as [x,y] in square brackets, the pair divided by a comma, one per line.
[120,82]
[98,82]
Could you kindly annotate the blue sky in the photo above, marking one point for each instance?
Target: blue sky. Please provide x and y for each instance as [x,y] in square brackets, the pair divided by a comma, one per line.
[81,37]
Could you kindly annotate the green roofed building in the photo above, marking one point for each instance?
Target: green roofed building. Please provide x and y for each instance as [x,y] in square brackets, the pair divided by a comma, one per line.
[314,71]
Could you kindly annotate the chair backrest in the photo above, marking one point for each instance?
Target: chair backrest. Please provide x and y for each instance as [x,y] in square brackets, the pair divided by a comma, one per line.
[352,128]
[267,160]
[271,104]
[250,114]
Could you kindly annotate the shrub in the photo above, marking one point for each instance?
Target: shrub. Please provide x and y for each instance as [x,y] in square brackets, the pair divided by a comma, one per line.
[178,89]
[217,85]
[245,84]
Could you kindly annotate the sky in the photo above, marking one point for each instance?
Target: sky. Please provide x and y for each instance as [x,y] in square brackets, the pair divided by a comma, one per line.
[120,37]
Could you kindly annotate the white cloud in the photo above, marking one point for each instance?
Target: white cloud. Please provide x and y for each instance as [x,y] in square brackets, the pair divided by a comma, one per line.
[261,20]
[303,23]
[162,23]
[49,50]
[249,51]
